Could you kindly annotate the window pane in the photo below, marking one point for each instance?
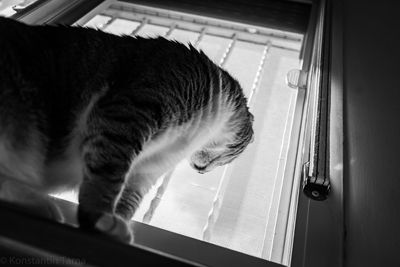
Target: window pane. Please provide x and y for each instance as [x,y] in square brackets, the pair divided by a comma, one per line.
[243,63]
[236,206]
[214,47]
[246,209]
[184,37]
[122,27]
[98,21]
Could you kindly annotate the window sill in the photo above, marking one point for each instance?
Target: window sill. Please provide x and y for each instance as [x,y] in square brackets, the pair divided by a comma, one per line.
[20,232]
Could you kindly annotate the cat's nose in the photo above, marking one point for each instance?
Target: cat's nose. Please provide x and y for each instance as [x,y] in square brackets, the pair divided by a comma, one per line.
[200,169]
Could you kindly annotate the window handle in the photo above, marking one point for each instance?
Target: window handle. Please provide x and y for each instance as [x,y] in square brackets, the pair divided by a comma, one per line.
[316,173]
[316,184]
[315,176]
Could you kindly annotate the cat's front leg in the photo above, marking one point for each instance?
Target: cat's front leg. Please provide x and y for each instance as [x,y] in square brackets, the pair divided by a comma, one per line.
[137,186]
[106,164]
[114,137]
[129,201]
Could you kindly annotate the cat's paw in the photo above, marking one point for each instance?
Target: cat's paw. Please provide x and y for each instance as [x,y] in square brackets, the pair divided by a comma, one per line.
[116,227]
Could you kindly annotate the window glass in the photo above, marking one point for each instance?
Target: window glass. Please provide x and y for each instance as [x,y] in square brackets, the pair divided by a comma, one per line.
[214,47]
[235,206]
[248,211]
[243,63]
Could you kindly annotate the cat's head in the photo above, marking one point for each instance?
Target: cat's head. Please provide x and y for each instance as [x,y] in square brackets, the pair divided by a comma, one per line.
[237,133]
[223,150]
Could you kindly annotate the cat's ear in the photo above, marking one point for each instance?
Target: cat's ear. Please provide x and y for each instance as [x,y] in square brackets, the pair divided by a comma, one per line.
[251,117]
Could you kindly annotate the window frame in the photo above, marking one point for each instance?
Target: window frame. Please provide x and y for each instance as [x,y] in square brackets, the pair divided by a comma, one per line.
[320,228]
[57,12]
[312,217]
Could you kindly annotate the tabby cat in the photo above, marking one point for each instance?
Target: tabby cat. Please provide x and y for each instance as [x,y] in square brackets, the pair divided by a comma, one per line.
[80,108]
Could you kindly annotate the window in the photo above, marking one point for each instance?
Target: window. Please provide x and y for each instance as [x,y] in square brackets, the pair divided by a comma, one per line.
[242,205]
[286,214]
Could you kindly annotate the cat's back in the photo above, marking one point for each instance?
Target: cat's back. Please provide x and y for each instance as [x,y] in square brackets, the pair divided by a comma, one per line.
[40,94]
[49,74]
[49,80]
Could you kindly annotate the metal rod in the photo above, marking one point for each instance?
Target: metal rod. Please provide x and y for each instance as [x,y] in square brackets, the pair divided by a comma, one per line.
[316,181]
[170,30]
[201,36]
[228,51]
[220,192]
[257,78]
[140,26]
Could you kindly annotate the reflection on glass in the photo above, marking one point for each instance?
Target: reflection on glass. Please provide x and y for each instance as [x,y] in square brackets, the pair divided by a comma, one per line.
[214,47]
[249,207]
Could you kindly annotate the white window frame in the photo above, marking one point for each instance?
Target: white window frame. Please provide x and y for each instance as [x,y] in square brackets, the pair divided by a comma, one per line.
[319,231]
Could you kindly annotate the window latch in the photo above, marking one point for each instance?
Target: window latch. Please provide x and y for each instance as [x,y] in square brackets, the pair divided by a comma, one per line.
[297,79]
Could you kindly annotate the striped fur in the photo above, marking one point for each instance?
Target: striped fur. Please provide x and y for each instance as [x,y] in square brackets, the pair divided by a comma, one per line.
[109,115]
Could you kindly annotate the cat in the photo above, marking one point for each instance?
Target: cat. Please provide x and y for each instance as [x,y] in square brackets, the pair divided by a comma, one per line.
[109,115]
